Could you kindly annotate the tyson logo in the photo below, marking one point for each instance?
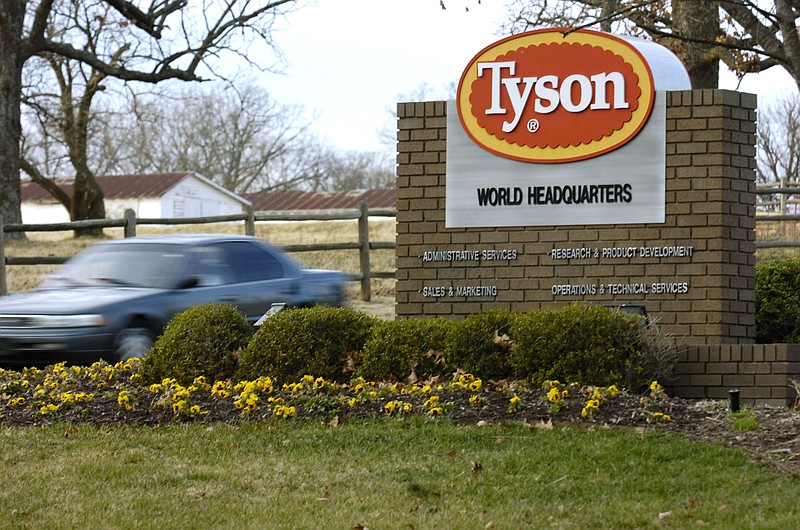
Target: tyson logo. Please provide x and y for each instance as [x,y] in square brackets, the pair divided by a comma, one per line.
[555,95]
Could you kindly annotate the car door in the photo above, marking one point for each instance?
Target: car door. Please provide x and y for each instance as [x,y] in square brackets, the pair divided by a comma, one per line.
[255,278]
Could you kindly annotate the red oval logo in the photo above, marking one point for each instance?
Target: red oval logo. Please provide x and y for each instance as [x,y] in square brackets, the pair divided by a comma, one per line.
[555,96]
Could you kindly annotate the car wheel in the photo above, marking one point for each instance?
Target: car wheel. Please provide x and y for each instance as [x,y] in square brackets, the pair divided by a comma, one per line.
[133,342]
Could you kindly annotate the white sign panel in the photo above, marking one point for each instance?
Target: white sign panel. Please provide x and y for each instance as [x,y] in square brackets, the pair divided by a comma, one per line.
[623,186]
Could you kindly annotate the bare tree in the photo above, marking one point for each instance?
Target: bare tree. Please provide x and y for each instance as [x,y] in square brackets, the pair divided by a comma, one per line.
[746,35]
[233,135]
[779,147]
[150,41]
[352,171]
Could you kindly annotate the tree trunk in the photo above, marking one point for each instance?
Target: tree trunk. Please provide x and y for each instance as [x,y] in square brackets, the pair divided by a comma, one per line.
[698,20]
[12,15]
[87,203]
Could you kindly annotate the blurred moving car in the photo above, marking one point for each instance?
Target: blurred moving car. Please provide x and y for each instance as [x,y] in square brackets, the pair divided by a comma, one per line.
[112,300]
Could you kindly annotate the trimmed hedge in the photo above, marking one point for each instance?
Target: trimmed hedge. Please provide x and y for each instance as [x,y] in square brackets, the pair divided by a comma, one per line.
[584,343]
[778,301]
[204,341]
[320,341]
[481,344]
[404,350]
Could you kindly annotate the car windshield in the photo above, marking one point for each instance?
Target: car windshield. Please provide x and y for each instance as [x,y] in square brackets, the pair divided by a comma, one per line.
[152,265]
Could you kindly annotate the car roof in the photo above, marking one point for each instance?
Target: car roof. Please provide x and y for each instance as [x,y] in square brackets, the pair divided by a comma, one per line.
[182,239]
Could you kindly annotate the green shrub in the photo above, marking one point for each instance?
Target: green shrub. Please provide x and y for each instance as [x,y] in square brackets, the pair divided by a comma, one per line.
[481,345]
[203,340]
[319,341]
[581,343]
[406,350]
[778,301]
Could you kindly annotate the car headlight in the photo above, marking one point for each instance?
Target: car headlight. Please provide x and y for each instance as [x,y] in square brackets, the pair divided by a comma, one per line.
[52,321]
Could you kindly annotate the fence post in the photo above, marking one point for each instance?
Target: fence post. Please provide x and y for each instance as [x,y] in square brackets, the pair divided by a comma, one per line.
[363,239]
[130,223]
[3,285]
[250,222]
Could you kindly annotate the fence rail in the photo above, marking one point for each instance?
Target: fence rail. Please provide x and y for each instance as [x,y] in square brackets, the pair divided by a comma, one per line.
[129,223]
[774,202]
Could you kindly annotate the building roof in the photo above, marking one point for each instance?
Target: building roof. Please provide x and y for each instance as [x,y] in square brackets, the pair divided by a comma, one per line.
[307,200]
[122,186]
[156,184]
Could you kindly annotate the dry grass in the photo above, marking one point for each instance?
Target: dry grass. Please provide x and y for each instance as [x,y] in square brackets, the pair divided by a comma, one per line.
[24,278]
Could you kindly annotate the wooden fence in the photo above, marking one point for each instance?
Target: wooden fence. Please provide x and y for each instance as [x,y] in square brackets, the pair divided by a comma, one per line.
[776,214]
[129,223]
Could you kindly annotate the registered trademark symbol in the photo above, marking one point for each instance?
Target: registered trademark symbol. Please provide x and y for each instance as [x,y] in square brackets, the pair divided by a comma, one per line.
[533,125]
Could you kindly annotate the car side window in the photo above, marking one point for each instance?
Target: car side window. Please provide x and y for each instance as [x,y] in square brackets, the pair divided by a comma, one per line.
[251,263]
[208,266]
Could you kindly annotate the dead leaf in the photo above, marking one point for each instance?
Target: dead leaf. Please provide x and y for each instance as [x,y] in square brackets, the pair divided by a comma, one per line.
[503,340]
[500,440]
[477,467]
[545,425]
[334,421]
[326,496]
[452,453]
[437,355]
[724,508]
[349,361]
[664,515]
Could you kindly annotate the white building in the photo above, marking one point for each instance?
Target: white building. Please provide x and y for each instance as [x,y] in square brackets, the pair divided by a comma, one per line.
[151,196]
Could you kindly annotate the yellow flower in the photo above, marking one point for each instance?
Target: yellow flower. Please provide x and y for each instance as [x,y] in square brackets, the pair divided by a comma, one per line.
[195,409]
[435,411]
[659,417]
[655,387]
[476,400]
[613,390]
[564,394]
[591,407]
[476,385]
[431,402]
[466,379]
[353,402]
[178,406]
[124,400]
[391,407]
[319,383]
[47,409]
[553,395]
[220,389]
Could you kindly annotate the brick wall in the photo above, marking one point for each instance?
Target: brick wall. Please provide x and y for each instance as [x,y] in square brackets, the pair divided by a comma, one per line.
[762,372]
[710,185]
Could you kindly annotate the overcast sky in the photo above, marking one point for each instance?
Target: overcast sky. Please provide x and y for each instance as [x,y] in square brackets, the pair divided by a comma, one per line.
[349,60]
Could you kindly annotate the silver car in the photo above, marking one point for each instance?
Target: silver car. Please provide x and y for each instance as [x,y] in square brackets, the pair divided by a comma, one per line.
[112,300]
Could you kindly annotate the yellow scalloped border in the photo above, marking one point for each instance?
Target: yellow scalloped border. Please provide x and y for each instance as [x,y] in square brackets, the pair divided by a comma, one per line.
[558,154]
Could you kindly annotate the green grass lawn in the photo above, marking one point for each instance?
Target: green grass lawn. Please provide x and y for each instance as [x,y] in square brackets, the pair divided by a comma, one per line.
[380,474]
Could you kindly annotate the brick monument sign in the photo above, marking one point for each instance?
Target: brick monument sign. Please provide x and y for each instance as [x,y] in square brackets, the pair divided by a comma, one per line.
[507,200]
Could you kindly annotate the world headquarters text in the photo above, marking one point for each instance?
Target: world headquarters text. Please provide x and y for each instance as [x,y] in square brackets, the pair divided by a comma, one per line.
[569,194]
